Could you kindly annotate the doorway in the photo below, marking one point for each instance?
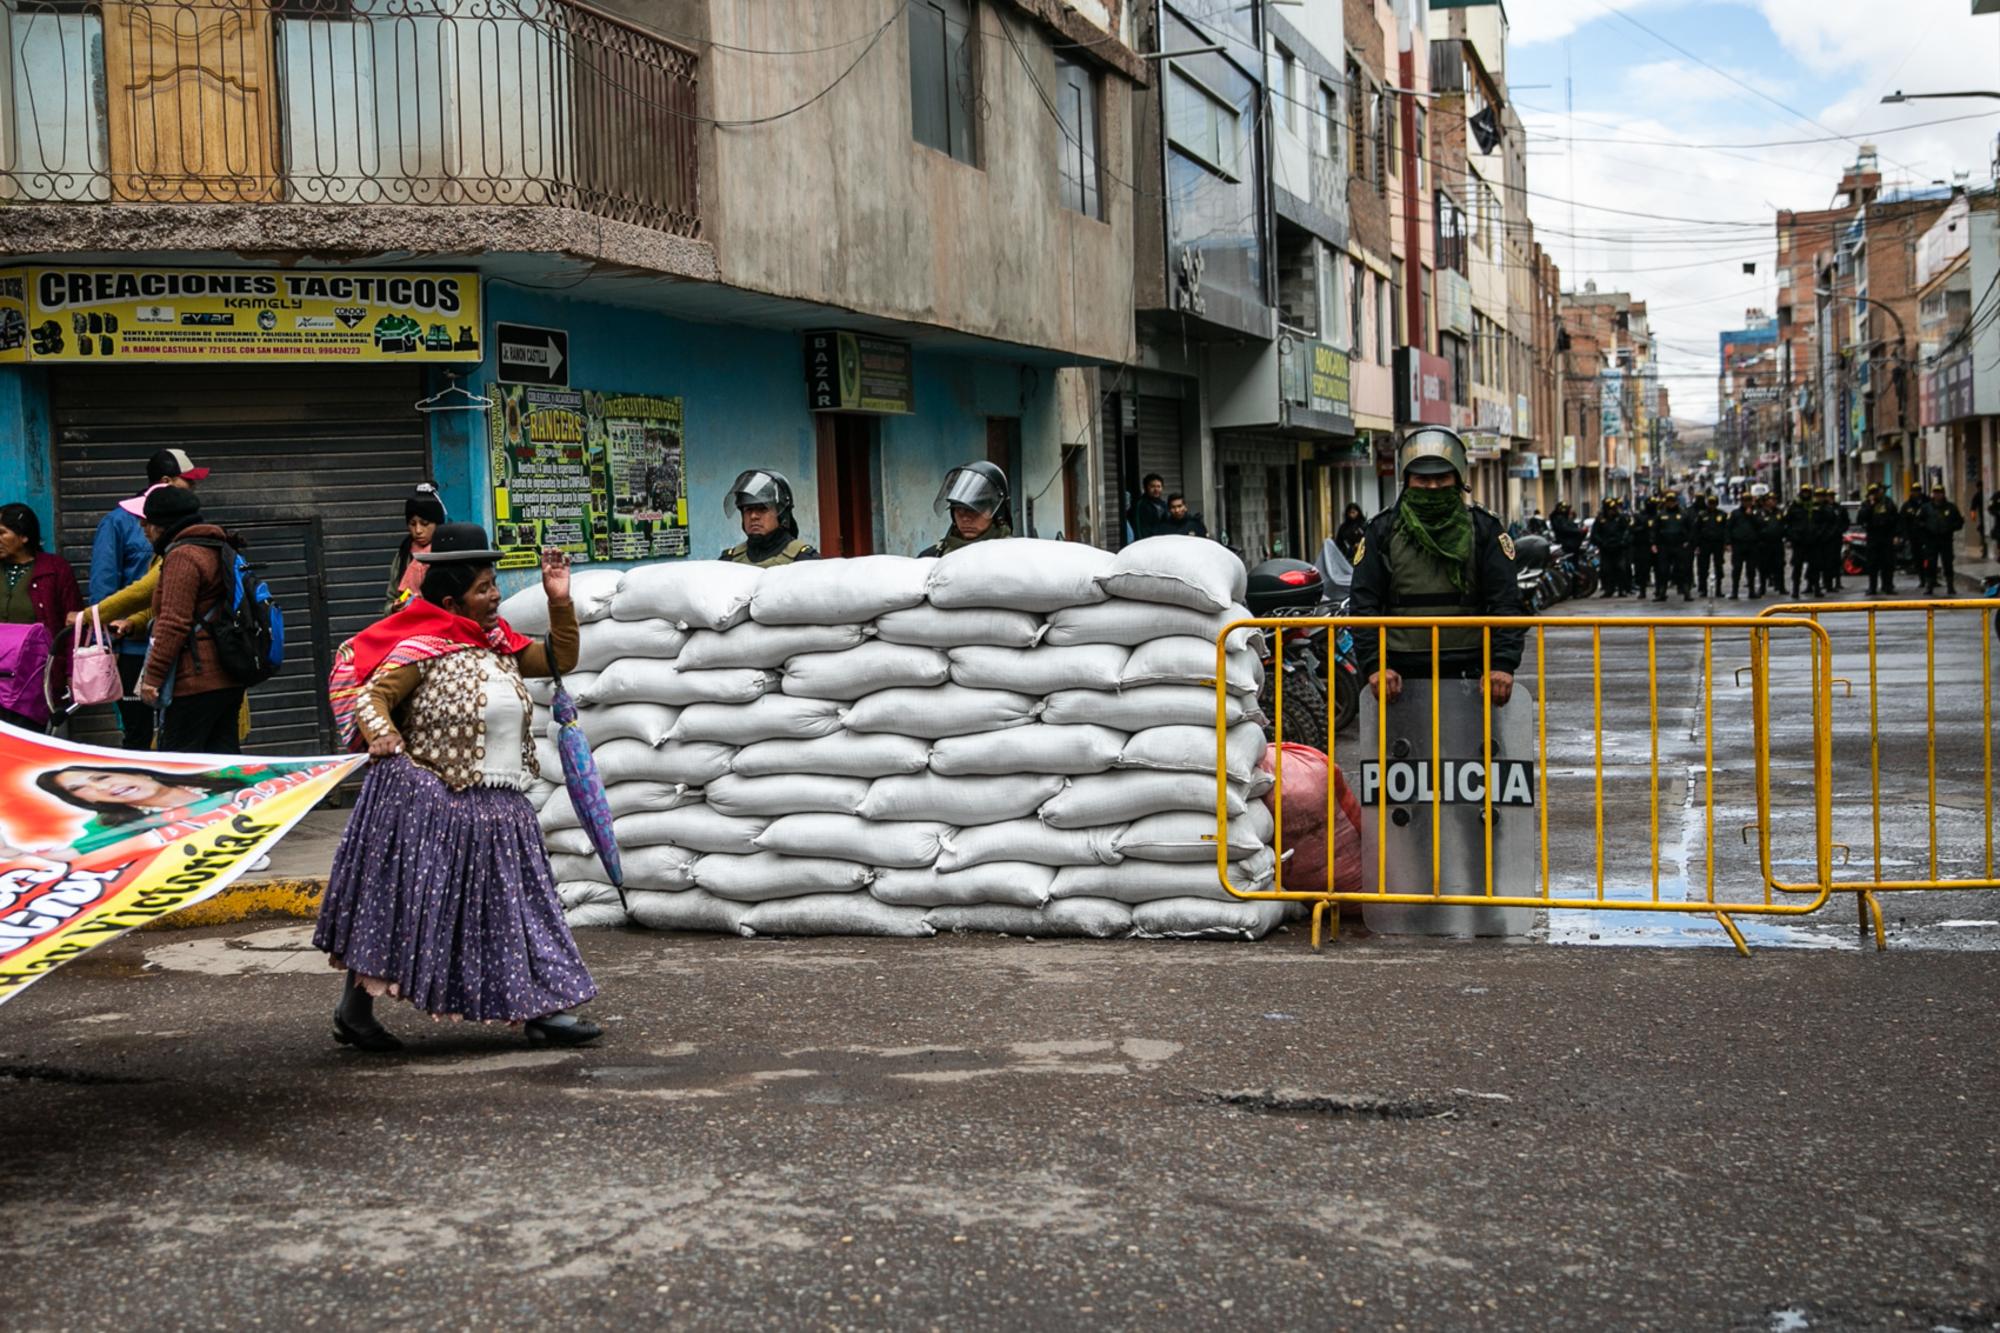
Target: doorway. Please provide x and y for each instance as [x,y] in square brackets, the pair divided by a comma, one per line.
[847,448]
[1003,450]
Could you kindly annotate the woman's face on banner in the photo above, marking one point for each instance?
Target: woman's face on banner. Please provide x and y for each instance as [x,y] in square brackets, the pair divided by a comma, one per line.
[109,787]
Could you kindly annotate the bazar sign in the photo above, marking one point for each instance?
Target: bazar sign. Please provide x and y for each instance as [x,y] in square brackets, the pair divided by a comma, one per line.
[857,372]
[96,315]
[1327,387]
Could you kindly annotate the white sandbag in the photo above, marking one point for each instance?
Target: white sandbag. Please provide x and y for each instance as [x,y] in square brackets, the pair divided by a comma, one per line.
[1095,666]
[1191,749]
[785,794]
[1200,919]
[843,754]
[1182,659]
[1035,748]
[540,790]
[1136,881]
[1148,706]
[863,670]
[1027,840]
[647,680]
[1190,836]
[652,724]
[1133,623]
[1199,575]
[1018,883]
[693,827]
[773,717]
[1090,918]
[683,763]
[542,689]
[625,798]
[765,875]
[574,860]
[694,594]
[690,909]
[930,626]
[958,802]
[764,646]
[594,914]
[591,592]
[852,838]
[582,892]
[1020,574]
[942,710]
[835,914]
[1120,798]
[839,592]
[608,640]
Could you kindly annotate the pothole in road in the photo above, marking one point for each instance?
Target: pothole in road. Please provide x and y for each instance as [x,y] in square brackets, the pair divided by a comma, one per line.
[1290,1101]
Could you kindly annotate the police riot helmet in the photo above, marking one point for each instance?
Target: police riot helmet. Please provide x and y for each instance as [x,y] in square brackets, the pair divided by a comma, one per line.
[980,487]
[1433,451]
[1758,490]
[755,487]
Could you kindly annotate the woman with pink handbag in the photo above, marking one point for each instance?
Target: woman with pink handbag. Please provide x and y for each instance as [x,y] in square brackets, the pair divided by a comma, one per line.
[38,593]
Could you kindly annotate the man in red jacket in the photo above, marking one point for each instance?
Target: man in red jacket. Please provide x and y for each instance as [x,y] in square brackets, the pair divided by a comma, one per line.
[183,675]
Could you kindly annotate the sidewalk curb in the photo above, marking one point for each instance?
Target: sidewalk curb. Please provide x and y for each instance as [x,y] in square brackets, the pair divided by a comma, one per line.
[293,899]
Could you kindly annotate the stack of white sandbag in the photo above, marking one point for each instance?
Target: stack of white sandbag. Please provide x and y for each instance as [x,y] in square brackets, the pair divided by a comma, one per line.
[1018,737]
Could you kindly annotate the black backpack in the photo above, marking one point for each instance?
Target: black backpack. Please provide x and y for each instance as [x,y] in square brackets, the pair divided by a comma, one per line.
[246,626]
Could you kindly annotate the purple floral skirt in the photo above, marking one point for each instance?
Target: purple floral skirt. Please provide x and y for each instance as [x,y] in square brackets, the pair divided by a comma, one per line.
[445,899]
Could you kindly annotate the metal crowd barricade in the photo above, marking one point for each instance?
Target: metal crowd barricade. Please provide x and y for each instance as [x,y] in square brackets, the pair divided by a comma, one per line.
[1776,898]
[1980,611]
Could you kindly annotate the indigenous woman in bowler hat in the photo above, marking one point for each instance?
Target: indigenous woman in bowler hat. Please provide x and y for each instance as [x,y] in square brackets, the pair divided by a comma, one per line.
[441,892]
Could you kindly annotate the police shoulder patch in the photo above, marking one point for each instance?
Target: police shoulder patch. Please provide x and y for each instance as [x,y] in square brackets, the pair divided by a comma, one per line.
[1506,545]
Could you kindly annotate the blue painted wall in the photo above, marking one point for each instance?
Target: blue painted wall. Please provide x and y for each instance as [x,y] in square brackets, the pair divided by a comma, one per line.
[745,396]
[24,444]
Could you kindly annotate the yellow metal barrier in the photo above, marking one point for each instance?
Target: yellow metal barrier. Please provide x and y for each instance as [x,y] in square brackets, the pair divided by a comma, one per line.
[1788,900]
[1980,612]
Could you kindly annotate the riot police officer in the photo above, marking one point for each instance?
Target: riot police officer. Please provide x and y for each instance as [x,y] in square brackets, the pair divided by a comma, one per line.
[1434,554]
[1881,522]
[1830,523]
[975,496]
[1711,535]
[1799,533]
[1642,544]
[1917,532]
[1746,536]
[1612,535]
[761,500]
[1946,523]
[1771,540]
[1673,550]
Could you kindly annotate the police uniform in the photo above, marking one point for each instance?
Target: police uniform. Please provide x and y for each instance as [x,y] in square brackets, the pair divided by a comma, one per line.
[1711,535]
[761,488]
[1799,532]
[1917,532]
[1394,575]
[1771,545]
[1612,535]
[1945,524]
[1830,523]
[980,486]
[1642,546]
[1746,535]
[1673,557]
[1880,521]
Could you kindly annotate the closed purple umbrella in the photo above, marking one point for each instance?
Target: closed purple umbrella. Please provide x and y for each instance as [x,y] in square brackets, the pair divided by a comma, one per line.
[586,788]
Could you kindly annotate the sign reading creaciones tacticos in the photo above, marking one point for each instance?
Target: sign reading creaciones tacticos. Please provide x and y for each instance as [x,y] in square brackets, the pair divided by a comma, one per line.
[97,315]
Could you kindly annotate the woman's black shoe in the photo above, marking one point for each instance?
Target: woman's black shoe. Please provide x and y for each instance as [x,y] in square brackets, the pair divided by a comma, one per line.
[373,1038]
[561,1030]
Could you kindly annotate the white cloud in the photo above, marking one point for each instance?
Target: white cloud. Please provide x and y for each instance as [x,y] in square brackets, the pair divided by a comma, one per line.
[1553,20]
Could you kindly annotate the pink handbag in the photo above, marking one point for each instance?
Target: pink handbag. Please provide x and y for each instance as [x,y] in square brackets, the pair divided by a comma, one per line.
[93,670]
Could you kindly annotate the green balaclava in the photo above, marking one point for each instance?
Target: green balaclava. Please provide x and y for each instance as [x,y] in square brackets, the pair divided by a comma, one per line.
[1438,522]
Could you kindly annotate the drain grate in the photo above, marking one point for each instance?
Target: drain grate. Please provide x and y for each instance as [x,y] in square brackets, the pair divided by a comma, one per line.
[1292,1101]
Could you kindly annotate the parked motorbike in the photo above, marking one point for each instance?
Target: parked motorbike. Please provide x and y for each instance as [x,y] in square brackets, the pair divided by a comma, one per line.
[1283,587]
[1585,571]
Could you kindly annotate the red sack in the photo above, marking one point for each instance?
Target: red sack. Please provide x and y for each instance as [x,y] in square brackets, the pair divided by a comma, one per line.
[1305,773]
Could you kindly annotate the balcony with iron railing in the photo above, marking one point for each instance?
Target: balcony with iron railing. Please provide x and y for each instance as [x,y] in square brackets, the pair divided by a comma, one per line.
[347,103]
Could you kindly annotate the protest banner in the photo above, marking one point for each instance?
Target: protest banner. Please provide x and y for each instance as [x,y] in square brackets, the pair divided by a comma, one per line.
[95,842]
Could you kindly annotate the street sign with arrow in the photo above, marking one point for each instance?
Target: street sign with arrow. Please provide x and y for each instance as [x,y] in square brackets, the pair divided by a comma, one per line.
[532,355]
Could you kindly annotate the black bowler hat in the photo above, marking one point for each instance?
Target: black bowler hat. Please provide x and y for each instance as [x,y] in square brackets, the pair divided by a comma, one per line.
[459,544]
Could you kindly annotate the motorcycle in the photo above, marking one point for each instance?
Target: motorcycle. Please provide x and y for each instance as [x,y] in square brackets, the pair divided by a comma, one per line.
[1294,588]
[1585,571]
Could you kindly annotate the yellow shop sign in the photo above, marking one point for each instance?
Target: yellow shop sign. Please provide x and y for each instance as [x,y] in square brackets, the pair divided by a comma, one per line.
[99,315]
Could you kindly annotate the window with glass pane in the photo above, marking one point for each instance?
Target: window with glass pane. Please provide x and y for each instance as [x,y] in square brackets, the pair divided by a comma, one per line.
[1202,125]
[1357,284]
[1329,121]
[943,93]
[1076,100]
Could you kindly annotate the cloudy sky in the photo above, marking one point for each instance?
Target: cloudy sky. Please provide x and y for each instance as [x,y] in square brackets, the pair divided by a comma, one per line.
[1622,193]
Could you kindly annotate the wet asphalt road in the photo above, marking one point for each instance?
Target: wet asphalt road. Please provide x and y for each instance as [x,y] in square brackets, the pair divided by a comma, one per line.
[997,1133]
[1003,1133]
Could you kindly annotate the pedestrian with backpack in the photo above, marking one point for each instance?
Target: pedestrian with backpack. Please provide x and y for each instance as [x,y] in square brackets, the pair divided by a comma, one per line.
[184,679]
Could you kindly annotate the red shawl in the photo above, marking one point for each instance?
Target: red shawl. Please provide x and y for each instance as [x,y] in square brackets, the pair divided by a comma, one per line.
[419,631]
